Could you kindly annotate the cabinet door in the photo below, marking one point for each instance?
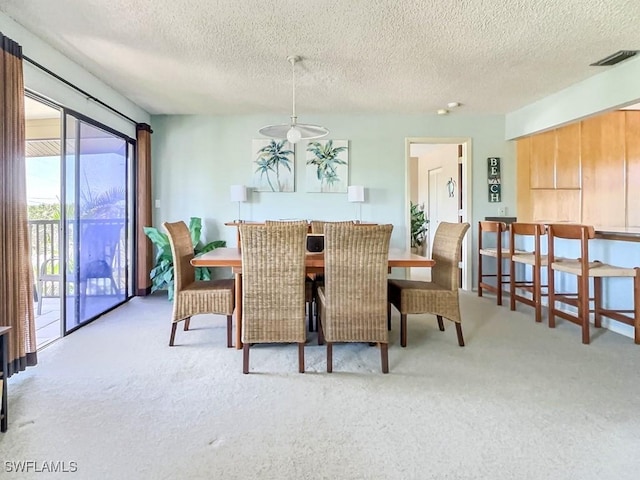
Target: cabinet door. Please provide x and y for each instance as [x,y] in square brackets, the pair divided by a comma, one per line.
[603,170]
[542,160]
[568,156]
[523,187]
[632,120]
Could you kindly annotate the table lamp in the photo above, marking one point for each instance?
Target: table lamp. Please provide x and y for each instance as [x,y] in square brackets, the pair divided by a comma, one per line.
[355,193]
[238,193]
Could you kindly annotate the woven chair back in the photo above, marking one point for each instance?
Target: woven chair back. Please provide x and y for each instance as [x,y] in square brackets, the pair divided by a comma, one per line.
[446,252]
[356,271]
[182,250]
[273,282]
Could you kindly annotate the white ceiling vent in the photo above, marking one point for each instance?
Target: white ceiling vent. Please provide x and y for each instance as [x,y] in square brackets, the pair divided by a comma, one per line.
[614,58]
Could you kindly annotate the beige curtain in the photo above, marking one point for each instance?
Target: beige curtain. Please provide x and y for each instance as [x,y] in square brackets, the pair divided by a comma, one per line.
[144,247]
[16,274]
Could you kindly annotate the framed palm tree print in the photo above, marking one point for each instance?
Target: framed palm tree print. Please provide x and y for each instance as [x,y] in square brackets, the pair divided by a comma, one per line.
[273,165]
[327,166]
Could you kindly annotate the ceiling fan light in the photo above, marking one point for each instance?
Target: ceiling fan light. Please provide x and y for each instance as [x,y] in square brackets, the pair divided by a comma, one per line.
[294,135]
[294,132]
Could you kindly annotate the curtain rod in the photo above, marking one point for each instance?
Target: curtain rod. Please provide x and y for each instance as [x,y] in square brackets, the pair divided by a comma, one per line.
[83,92]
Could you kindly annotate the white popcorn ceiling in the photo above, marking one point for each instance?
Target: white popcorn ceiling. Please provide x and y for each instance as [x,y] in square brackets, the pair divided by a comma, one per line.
[359,56]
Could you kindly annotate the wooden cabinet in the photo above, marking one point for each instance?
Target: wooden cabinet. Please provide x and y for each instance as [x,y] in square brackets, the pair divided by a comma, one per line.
[584,172]
[632,122]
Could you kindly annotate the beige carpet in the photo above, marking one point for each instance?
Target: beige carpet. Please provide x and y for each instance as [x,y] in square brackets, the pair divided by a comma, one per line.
[520,401]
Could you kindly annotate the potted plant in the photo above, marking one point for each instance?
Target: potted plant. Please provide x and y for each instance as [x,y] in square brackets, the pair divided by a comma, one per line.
[162,273]
[419,227]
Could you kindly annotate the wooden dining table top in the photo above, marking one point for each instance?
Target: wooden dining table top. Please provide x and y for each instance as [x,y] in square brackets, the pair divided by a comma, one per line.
[232,257]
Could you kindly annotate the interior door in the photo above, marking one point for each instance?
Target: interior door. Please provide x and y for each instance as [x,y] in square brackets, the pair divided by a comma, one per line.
[436,193]
[95,219]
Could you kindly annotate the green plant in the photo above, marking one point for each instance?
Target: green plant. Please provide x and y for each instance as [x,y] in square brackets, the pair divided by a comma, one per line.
[162,273]
[419,225]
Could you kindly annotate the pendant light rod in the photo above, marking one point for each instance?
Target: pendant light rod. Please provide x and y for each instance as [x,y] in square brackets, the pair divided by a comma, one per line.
[293,59]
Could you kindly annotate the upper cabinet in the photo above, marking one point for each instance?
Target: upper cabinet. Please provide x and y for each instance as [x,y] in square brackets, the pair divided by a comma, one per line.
[583,172]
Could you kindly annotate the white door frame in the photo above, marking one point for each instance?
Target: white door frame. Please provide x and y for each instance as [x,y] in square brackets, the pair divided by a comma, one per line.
[467,251]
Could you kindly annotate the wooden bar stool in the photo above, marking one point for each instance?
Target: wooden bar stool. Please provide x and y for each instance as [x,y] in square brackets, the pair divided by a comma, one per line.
[486,231]
[584,269]
[534,259]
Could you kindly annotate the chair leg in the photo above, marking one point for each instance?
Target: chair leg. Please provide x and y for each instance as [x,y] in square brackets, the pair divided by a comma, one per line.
[440,323]
[459,332]
[329,357]
[384,357]
[479,274]
[512,285]
[245,357]
[597,301]
[320,333]
[499,278]
[187,321]
[301,357]
[174,326]
[389,316]
[310,310]
[537,292]
[552,297]
[403,329]
[583,310]
[229,331]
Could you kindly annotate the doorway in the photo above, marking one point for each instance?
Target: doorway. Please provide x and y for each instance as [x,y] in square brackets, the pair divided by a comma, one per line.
[439,180]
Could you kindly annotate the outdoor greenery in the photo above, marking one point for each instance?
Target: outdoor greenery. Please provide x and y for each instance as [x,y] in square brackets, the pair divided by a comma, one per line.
[44,211]
[270,158]
[419,225]
[325,158]
[162,275]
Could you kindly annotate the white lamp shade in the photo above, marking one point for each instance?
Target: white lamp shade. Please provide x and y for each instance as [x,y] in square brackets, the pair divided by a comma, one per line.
[238,193]
[355,193]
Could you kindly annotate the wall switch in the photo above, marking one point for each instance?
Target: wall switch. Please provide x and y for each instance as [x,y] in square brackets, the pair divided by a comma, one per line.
[157,203]
[502,211]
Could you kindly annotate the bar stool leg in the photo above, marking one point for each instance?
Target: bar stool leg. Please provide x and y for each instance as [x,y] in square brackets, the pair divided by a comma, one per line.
[636,305]
[583,309]
[552,297]
[597,301]
[537,292]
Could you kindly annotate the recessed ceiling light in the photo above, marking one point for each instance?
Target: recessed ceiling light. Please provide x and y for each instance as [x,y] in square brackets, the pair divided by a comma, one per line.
[442,111]
[453,104]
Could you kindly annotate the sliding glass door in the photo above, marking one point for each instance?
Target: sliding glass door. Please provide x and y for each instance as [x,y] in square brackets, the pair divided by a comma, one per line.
[96,173]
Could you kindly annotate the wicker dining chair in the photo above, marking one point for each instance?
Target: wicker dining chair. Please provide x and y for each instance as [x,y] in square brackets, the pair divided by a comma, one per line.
[353,300]
[439,296]
[194,297]
[317,227]
[273,286]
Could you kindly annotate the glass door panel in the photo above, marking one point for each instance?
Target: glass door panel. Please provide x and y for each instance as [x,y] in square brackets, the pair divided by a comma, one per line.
[96,221]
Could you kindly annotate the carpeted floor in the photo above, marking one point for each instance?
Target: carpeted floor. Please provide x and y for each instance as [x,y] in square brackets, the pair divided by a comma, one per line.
[520,401]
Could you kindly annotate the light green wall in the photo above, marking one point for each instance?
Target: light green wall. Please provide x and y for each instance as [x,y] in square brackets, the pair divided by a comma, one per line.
[614,87]
[197,158]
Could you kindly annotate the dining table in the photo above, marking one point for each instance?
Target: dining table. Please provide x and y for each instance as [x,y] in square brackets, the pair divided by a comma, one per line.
[314,262]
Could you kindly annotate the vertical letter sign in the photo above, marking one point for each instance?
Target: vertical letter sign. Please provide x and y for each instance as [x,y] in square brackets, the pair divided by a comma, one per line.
[493,177]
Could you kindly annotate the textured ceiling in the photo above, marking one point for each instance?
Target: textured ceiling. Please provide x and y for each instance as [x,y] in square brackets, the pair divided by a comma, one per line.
[360,56]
